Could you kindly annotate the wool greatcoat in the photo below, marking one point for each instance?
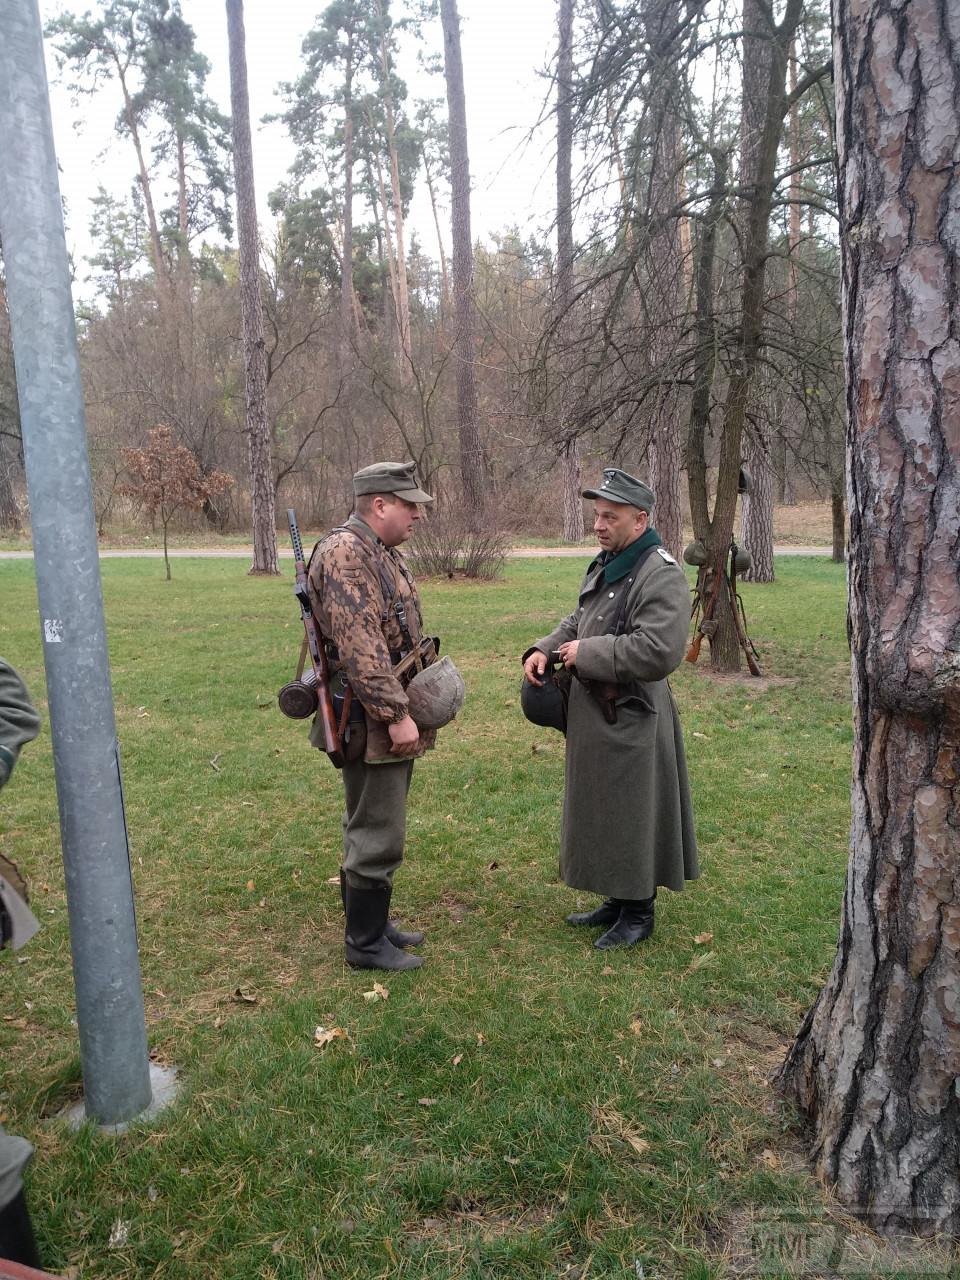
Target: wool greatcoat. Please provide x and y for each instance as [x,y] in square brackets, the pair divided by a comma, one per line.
[627,816]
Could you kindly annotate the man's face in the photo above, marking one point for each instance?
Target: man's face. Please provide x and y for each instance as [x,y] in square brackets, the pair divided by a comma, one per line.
[397,520]
[617,525]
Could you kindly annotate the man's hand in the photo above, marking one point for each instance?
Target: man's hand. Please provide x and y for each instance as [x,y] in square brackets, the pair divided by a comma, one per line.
[535,666]
[405,737]
[568,652]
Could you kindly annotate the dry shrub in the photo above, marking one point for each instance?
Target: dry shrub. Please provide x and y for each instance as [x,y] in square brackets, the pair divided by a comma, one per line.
[445,544]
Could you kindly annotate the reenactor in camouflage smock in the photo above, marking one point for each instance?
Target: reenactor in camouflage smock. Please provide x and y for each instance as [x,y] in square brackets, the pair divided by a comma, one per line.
[19,724]
[368,608]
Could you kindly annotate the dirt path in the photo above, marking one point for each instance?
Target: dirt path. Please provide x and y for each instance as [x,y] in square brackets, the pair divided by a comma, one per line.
[246,553]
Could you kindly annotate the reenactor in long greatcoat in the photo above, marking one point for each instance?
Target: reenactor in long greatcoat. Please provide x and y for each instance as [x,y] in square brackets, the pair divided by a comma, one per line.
[368,608]
[627,817]
[19,724]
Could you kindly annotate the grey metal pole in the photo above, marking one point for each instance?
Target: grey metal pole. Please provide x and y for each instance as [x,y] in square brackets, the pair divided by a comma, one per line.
[103,939]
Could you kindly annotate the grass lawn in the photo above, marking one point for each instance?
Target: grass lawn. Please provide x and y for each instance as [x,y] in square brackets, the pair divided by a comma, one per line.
[523,1105]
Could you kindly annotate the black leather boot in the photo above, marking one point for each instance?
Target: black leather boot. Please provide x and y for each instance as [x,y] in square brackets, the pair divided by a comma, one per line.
[16,1234]
[607,913]
[366,943]
[634,925]
[399,937]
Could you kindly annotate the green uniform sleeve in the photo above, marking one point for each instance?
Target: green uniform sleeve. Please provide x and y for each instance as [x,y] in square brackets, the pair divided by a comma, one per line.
[19,722]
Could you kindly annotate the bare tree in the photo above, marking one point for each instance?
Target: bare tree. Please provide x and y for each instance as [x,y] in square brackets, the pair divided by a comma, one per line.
[263,497]
[471,450]
[875,1064]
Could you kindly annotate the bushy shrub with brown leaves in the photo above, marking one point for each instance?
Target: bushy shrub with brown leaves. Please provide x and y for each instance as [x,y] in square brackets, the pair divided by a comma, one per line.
[445,545]
[165,478]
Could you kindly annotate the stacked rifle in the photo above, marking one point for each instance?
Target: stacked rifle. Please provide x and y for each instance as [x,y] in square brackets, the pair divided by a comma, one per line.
[711,587]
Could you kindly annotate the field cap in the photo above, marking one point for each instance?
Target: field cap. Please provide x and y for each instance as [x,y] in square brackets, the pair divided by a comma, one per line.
[391,477]
[618,486]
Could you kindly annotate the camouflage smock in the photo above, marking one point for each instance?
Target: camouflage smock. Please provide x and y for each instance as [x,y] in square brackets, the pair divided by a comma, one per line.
[347,591]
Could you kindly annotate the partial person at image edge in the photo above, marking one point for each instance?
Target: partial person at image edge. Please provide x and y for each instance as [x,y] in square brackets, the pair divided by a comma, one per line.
[19,724]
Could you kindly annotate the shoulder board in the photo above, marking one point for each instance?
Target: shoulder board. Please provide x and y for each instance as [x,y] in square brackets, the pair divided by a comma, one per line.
[664,554]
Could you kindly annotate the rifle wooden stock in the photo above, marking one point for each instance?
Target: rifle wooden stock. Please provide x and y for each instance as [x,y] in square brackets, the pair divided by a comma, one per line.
[752,665]
[318,658]
[696,644]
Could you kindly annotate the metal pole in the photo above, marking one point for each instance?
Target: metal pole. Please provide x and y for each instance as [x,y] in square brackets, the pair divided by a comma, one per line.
[103,939]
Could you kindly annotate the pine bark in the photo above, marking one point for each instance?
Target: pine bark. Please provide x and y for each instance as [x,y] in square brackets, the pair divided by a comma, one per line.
[666,275]
[471,449]
[756,517]
[347,327]
[263,496]
[402,290]
[876,1062]
[571,470]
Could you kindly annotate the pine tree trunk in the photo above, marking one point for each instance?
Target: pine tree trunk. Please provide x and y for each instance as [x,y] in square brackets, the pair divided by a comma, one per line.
[9,511]
[571,471]
[347,330]
[875,1064]
[838,527]
[666,280]
[471,449]
[263,495]
[573,527]
[756,520]
[756,534]
[444,274]
[156,249]
[403,295]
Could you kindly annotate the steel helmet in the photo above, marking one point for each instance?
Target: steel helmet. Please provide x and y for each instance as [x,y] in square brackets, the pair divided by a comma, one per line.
[436,694]
[544,704]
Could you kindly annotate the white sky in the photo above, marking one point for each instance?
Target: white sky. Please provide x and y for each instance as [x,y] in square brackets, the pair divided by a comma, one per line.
[506,43]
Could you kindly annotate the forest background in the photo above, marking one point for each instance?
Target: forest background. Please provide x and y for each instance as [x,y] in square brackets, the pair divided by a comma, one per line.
[673,301]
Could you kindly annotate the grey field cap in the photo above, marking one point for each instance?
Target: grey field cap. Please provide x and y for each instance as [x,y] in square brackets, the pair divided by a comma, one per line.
[619,486]
[391,477]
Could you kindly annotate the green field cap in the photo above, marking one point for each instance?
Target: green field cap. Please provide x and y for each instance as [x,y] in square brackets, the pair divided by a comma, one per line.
[618,486]
[391,477]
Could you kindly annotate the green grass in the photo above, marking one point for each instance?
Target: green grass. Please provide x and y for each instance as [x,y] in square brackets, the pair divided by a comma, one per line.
[544,1064]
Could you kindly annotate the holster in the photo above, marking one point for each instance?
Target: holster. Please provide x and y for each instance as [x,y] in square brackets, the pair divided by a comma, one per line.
[606,692]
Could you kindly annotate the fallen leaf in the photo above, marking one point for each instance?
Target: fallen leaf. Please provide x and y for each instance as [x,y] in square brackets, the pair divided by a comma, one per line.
[427,1102]
[770,1158]
[457,1059]
[717,1062]
[250,886]
[244,997]
[481,1038]
[493,866]
[323,1036]
[636,1026]
[702,938]
[152,1194]
[119,1234]
[701,735]
[640,1145]
[276,1247]
[606,971]
[333,880]
[379,992]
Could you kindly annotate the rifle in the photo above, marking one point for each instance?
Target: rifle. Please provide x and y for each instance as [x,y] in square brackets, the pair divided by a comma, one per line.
[318,658]
[737,604]
[693,653]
